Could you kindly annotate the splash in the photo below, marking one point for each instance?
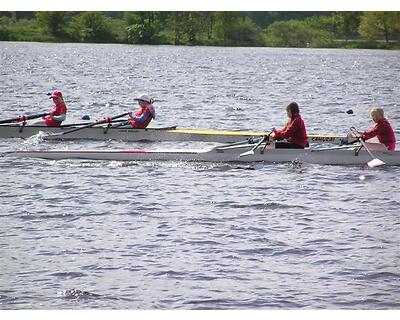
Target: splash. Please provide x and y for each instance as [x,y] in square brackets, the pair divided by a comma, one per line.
[36,139]
[76,293]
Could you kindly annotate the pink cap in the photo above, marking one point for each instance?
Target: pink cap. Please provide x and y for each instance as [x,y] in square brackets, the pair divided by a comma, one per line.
[56,94]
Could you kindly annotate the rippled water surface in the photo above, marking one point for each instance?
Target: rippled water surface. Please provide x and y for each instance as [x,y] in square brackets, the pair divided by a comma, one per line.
[198,236]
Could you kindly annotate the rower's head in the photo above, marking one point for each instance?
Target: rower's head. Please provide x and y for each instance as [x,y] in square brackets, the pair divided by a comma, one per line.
[143,100]
[377,114]
[292,109]
[57,96]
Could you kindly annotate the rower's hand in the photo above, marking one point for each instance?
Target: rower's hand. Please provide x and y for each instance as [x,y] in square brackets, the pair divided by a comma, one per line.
[356,135]
[130,114]
[21,118]
[272,135]
[353,129]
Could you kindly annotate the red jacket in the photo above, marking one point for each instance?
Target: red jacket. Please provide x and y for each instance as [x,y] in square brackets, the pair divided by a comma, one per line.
[57,110]
[294,131]
[142,118]
[384,132]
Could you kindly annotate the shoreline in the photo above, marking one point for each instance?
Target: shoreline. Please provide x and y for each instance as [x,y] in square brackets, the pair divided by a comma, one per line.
[340,30]
[349,45]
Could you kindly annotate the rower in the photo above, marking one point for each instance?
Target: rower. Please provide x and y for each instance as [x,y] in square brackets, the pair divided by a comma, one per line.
[58,112]
[143,116]
[294,132]
[382,130]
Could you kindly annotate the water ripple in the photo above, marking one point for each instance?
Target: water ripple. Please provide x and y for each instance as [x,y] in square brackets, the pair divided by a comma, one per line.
[81,234]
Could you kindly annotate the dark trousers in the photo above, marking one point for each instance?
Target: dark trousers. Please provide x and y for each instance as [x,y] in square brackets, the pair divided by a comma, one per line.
[287,145]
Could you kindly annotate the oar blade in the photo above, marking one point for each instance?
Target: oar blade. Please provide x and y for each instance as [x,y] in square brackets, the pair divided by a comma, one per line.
[247,153]
[375,163]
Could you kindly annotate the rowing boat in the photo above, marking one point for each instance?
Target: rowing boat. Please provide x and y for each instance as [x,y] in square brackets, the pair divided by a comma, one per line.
[148,134]
[355,156]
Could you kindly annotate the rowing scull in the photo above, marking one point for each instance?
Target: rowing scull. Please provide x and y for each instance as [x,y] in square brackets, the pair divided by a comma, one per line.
[148,134]
[354,156]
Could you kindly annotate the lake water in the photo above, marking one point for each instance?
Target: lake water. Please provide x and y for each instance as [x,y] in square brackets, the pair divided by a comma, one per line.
[198,236]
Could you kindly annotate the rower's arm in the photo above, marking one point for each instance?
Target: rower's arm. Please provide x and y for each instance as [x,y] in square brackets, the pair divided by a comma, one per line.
[144,117]
[371,133]
[61,117]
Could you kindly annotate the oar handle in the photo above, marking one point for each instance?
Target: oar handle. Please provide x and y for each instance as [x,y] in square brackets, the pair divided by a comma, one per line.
[95,123]
[24,118]
[355,132]
[360,139]
[263,139]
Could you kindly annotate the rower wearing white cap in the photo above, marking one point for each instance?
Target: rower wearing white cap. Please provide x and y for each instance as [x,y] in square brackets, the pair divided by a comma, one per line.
[145,114]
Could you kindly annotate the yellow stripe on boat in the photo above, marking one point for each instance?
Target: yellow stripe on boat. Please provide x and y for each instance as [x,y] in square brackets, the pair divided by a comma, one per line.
[315,137]
[217,132]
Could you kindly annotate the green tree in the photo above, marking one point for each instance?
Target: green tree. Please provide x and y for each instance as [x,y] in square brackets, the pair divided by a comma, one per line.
[117,27]
[131,18]
[286,33]
[53,22]
[185,27]
[295,33]
[142,27]
[264,18]
[193,27]
[208,24]
[140,33]
[176,22]
[91,26]
[346,24]
[375,25]
[246,33]
[194,24]
[225,23]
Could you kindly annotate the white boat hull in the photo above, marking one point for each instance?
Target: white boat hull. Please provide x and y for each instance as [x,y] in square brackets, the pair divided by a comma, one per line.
[326,157]
[149,134]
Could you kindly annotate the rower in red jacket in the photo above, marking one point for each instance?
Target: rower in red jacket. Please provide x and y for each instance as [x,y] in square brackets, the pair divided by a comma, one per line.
[294,132]
[58,112]
[145,114]
[382,130]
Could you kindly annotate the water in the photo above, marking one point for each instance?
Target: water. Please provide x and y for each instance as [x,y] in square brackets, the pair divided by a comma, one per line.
[198,236]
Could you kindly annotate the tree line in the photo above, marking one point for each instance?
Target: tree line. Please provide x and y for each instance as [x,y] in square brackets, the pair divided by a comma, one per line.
[273,29]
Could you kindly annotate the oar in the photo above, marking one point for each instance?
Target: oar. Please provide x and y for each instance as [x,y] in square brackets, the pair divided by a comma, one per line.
[122,123]
[375,162]
[348,146]
[83,124]
[251,152]
[239,144]
[57,136]
[24,118]
[236,146]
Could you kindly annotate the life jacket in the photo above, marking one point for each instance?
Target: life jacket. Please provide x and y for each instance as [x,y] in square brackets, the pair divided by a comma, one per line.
[143,117]
[57,110]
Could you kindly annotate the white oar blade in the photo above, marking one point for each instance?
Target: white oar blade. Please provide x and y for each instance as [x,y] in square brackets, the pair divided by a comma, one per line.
[247,153]
[376,163]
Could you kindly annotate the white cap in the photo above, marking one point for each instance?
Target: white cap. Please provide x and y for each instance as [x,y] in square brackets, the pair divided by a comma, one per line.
[143,97]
